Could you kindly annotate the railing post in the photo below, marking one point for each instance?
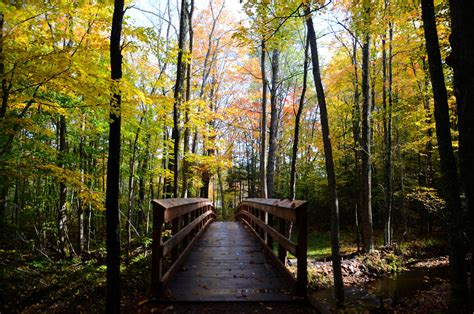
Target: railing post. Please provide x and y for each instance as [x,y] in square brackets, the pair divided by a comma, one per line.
[282,231]
[157,249]
[269,221]
[174,230]
[262,218]
[185,223]
[301,251]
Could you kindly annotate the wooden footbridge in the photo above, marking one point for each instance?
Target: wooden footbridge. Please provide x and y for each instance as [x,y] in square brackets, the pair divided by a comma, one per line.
[196,258]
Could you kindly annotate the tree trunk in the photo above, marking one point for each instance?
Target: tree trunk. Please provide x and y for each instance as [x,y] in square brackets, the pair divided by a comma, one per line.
[366,184]
[3,109]
[4,88]
[62,209]
[273,123]
[186,148]
[458,281]
[141,186]
[387,130]
[206,176]
[389,165]
[356,145]
[113,166]
[462,62]
[297,123]
[80,208]
[263,139]
[331,175]
[131,189]
[178,99]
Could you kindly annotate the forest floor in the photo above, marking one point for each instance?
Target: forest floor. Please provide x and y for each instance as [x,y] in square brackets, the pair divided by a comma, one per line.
[33,282]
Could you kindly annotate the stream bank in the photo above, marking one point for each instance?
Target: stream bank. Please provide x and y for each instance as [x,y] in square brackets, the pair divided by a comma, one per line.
[380,282]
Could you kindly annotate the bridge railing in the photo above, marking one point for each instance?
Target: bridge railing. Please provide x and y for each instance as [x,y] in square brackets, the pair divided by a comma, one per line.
[177,224]
[270,220]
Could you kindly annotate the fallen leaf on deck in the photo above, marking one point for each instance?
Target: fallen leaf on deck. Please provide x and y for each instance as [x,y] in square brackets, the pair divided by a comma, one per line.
[143,302]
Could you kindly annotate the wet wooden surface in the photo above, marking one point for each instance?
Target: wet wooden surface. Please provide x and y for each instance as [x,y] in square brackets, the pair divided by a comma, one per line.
[227,264]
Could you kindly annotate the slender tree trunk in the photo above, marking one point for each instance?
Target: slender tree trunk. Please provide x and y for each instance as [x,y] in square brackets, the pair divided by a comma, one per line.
[297,123]
[248,162]
[88,229]
[448,163]
[366,191]
[389,136]
[429,121]
[206,175]
[131,189]
[164,181]
[62,209]
[186,148]
[263,139]
[3,206]
[4,93]
[80,208]
[178,99]
[272,145]
[331,175]
[4,88]
[113,166]
[221,188]
[387,128]
[142,187]
[462,62]
[356,146]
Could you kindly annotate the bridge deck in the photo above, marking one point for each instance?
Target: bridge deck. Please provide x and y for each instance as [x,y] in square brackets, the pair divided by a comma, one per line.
[227,264]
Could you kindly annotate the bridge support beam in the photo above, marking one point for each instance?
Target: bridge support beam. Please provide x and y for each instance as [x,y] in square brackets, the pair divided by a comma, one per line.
[302,251]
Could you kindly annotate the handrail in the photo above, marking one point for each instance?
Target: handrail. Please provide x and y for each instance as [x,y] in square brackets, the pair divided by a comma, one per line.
[187,218]
[268,220]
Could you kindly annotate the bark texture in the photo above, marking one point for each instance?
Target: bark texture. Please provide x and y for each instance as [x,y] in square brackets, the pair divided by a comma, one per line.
[462,62]
[173,166]
[331,175]
[297,123]
[263,139]
[273,131]
[448,162]
[113,166]
[366,184]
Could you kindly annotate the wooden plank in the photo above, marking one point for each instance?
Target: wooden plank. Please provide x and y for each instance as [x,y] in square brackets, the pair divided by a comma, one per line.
[282,228]
[283,208]
[232,295]
[285,242]
[301,252]
[172,242]
[157,252]
[226,272]
[269,253]
[254,282]
[169,203]
[227,264]
[175,207]
[172,270]
[282,203]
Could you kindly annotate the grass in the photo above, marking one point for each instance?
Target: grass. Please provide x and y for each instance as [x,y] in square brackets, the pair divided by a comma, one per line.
[319,244]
